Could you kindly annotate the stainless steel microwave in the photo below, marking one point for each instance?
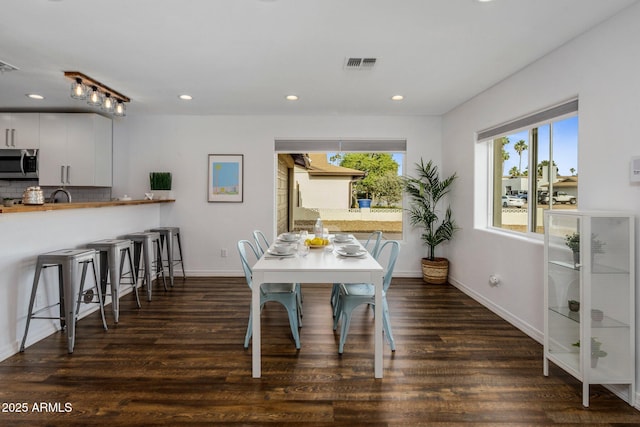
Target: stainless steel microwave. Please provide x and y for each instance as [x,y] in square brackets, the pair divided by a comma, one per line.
[18,164]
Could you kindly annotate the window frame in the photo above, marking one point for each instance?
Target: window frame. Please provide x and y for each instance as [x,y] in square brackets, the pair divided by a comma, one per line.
[345,145]
[531,123]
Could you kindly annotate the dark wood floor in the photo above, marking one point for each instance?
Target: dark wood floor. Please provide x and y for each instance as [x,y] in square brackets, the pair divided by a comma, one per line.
[179,360]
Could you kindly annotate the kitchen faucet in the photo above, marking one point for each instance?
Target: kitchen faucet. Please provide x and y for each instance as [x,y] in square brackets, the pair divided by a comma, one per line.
[52,198]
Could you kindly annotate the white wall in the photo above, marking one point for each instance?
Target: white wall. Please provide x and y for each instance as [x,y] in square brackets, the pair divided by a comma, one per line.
[180,144]
[602,67]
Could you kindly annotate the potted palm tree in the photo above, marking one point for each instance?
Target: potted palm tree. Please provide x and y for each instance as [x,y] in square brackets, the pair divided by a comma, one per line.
[425,193]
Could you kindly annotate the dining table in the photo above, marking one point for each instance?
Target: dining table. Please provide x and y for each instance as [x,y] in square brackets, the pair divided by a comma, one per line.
[323,265]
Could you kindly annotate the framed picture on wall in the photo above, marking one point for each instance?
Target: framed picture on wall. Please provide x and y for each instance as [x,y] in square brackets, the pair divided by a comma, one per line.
[226,176]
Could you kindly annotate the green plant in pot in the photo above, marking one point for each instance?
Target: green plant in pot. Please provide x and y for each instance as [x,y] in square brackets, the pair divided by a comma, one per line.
[573,242]
[426,191]
[160,184]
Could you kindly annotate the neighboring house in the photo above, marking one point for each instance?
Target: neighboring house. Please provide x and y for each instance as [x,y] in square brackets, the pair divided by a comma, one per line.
[309,181]
[320,184]
[520,184]
[568,184]
[515,185]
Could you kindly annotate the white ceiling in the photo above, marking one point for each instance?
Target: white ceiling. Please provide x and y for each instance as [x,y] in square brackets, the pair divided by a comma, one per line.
[244,56]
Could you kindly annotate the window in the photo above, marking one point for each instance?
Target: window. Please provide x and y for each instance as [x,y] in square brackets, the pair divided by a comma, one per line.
[534,167]
[353,185]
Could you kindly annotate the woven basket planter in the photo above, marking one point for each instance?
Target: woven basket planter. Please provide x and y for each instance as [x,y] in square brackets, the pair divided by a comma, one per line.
[435,271]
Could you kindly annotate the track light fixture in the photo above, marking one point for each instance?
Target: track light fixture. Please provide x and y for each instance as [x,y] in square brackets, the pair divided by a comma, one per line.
[97,94]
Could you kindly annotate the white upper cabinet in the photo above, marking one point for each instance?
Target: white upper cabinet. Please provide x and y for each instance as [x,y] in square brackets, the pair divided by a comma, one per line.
[19,130]
[75,150]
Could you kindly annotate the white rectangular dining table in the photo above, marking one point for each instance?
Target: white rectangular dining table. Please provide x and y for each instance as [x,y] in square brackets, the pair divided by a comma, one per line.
[319,266]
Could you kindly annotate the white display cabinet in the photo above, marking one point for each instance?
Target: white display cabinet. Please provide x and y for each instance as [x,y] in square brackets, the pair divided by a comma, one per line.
[589,313]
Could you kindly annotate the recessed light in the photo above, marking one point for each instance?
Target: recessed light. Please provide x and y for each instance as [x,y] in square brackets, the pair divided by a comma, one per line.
[186,97]
[397,98]
[34,96]
[291,97]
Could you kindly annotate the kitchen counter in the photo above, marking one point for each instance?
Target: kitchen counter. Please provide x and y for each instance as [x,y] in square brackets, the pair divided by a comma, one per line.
[33,230]
[78,205]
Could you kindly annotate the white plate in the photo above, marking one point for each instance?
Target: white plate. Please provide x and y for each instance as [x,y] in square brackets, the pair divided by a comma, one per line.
[357,254]
[343,241]
[290,253]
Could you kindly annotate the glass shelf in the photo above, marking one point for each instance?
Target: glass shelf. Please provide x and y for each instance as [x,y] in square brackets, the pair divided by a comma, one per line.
[596,268]
[606,322]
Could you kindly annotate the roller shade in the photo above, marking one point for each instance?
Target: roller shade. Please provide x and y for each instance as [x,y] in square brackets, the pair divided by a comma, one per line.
[526,122]
[340,145]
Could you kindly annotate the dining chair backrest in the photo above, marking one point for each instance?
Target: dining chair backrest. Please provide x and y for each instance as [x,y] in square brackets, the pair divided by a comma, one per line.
[262,244]
[242,250]
[389,250]
[373,243]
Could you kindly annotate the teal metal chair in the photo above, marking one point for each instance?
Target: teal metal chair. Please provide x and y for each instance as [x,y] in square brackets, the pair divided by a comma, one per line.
[351,295]
[373,246]
[373,243]
[283,293]
[262,244]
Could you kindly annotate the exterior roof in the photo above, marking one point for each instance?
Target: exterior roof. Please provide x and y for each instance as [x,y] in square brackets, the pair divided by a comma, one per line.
[319,166]
[563,182]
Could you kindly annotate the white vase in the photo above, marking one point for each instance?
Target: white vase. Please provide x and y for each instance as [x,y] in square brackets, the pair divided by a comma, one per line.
[162,194]
[576,259]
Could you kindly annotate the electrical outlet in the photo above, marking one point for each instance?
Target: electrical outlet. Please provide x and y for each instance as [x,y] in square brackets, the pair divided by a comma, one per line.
[494,280]
[223,252]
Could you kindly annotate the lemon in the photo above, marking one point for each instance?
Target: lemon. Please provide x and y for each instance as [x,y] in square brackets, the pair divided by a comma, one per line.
[316,241]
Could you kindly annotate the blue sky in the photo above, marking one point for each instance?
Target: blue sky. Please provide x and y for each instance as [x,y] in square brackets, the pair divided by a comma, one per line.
[565,146]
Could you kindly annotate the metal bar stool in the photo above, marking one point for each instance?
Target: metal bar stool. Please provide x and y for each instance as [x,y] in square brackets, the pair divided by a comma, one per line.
[67,261]
[114,253]
[147,247]
[167,236]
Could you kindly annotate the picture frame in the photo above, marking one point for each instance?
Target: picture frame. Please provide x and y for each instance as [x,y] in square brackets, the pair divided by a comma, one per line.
[225,178]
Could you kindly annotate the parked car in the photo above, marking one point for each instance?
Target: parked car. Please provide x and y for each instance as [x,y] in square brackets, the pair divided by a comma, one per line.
[523,197]
[512,202]
[559,197]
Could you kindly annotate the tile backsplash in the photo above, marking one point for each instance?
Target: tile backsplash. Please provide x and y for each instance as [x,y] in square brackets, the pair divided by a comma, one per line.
[14,189]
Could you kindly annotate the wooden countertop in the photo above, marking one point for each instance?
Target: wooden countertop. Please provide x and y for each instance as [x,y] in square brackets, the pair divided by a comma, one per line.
[79,205]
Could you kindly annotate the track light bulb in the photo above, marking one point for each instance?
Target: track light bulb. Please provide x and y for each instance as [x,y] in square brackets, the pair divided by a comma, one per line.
[78,89]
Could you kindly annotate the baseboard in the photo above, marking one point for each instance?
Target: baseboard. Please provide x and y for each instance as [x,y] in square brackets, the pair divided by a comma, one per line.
[621,391]
[528,329]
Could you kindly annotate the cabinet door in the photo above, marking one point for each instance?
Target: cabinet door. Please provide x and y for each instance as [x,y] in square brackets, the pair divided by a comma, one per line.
[53,149]
[103,151]
[5,130]
[564,291]
[80,149]
[19,130]
[26,130]
[611,314]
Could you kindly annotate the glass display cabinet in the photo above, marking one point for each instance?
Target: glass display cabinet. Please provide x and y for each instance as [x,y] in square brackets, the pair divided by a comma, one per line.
[589,313]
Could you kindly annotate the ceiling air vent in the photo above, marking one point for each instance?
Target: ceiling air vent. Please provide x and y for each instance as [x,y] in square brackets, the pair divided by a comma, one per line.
[360,63]
[6,67]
